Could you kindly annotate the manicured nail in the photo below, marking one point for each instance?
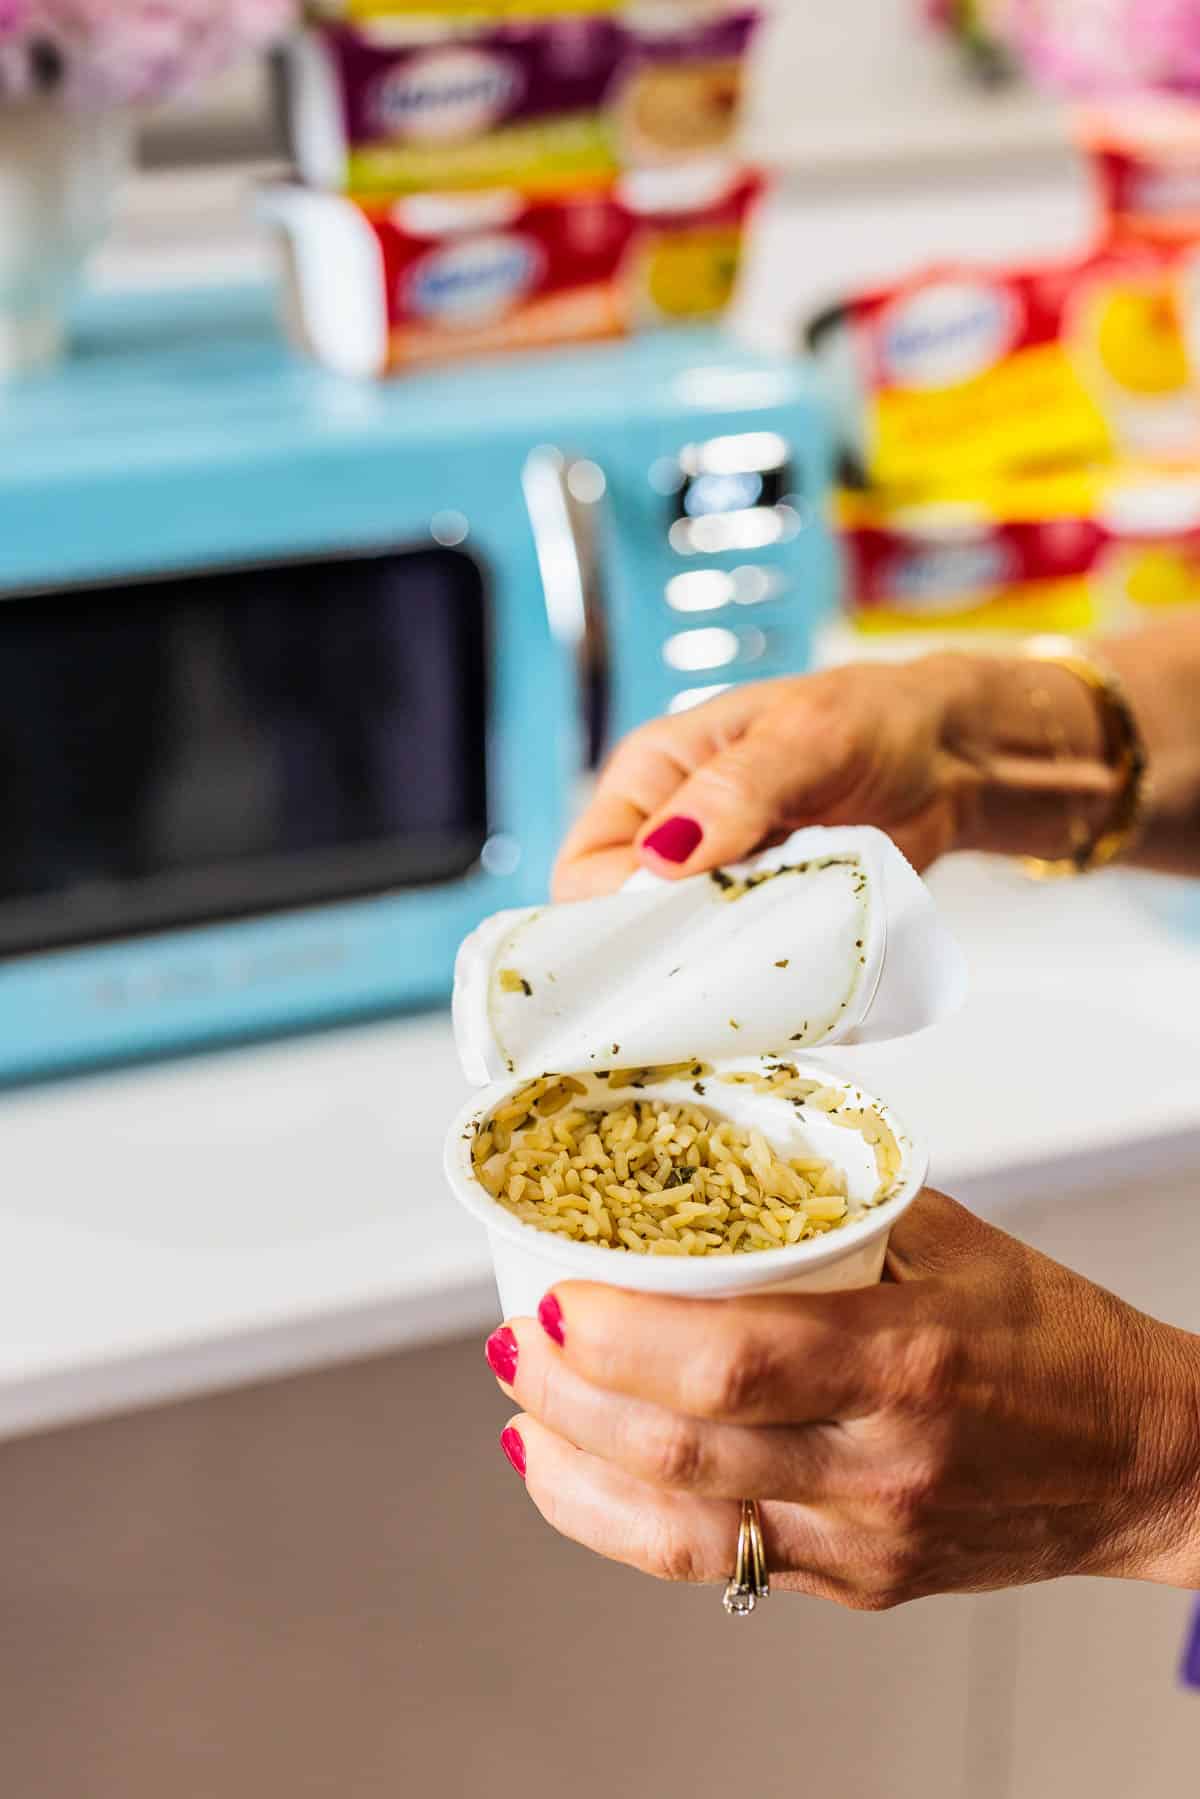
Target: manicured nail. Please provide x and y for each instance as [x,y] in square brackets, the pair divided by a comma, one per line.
[514,1449]
[551,1320]
[675,840]
[501,1353]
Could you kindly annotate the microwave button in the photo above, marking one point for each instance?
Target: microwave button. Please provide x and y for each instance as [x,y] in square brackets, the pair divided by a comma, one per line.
[703,590]
[746,453]
[758,528]
[696,696]
[714,647]
[712,589]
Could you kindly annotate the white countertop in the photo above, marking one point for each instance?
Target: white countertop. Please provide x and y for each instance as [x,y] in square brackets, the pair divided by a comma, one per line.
[231,1217]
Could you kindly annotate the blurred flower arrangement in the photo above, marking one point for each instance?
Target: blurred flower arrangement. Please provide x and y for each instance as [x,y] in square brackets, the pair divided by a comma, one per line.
[104,53]
[1082,48]
[1105,46]
[72,75]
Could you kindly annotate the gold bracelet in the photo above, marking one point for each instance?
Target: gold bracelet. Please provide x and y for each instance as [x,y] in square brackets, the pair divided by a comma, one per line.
[1126,753]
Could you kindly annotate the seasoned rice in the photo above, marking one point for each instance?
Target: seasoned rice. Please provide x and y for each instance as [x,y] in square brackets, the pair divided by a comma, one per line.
[650,1177]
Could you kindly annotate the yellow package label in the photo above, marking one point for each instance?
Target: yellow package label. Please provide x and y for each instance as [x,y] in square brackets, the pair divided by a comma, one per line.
[1072,606]
[1031,408]
[970,373]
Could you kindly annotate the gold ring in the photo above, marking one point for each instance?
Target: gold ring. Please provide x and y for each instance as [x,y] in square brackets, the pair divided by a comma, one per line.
[750,1581]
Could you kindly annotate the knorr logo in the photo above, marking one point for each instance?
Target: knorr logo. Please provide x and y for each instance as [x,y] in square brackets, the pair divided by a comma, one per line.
[447,94]
[946,334]
[939,577]
[471,283]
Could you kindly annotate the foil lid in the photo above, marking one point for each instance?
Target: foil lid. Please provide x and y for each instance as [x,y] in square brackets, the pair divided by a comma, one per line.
[830,938]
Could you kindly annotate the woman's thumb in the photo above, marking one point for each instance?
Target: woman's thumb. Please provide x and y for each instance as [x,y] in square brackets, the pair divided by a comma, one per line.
[721,813]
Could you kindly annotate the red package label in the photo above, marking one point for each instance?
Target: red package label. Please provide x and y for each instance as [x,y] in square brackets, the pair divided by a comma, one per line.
[914,573]
[548,273]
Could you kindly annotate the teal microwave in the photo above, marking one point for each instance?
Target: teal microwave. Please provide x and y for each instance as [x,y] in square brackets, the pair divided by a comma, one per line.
[300,677]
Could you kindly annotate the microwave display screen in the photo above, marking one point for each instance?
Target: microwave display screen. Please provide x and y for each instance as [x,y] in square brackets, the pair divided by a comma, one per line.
[191,750]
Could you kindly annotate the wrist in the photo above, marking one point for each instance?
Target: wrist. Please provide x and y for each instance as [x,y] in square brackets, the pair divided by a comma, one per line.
[1028,742]
[1156,1535]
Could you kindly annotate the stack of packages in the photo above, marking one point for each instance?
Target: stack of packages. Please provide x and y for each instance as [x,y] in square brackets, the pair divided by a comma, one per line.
[1021,446]
[480,175]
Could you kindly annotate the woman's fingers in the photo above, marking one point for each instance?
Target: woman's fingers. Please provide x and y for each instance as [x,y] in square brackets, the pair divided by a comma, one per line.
[788,766]
[796,1359]
[644,771]
[810,1465]
[595,873]
[680,1537]
[671,1535]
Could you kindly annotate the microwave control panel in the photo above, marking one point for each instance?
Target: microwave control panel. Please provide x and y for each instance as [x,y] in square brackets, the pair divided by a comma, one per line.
[737,596]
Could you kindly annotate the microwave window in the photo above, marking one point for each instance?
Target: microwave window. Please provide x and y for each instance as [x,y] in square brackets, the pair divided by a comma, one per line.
[191,750]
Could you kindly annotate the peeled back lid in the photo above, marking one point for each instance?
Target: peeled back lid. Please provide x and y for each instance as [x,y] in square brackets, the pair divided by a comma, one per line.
[830,938]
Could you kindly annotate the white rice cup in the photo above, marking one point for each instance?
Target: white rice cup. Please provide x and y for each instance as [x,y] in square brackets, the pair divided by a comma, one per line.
[529,1261]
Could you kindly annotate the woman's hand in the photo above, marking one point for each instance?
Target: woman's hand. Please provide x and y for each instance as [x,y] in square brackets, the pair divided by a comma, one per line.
[983,1419]
[859,745]
[946,752]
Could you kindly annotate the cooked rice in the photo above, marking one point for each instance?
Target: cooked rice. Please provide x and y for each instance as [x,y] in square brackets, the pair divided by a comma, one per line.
[654,1178]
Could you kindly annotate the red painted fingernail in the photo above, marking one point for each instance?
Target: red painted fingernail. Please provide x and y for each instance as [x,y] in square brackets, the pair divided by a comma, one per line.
[675,840]
[501,1353]
[551,1320]
[514,1449]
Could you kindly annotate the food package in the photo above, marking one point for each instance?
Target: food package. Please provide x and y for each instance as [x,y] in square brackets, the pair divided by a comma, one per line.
[989,371]
[689,245]
[1068,553]
[773,968]
[1145,154]
[683,81]
[376,288]
[406,104]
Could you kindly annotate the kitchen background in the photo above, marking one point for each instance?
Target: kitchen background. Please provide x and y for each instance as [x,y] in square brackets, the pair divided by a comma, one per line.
[257,1540]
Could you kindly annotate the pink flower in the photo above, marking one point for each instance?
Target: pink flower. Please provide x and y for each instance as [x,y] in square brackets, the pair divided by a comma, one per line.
[1109,46]
[126,51]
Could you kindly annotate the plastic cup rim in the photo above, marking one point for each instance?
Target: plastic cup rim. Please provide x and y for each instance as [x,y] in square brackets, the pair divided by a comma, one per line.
[765,1268]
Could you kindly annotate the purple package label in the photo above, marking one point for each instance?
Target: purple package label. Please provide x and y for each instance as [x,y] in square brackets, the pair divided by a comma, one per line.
[465,85]
[1189,1673]
[726,38]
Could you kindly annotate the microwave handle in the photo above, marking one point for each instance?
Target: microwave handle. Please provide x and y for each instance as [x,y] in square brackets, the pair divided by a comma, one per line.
[563,496]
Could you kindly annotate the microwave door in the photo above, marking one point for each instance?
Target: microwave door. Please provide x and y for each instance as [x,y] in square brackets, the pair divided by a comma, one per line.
[182,752]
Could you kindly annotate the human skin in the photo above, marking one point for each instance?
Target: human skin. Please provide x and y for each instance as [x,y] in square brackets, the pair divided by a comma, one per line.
[985,1417]
[947,752]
